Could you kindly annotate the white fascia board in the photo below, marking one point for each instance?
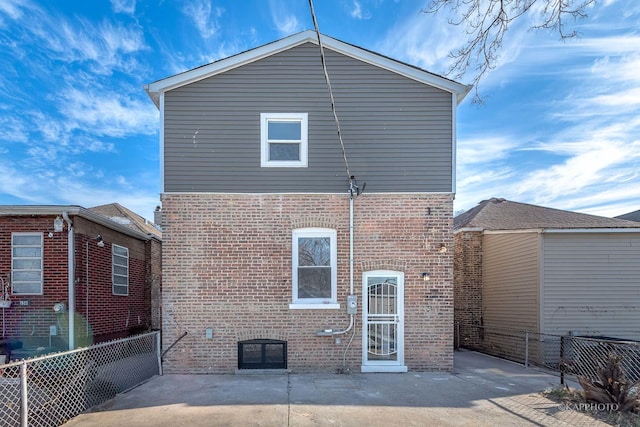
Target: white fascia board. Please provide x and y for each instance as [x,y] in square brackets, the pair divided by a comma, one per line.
[28,210]
[160,86]
[527,230]
[592,230]
[154,89]
[397,67]
[468,229]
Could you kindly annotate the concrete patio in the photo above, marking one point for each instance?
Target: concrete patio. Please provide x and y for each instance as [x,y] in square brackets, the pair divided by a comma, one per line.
[482,391]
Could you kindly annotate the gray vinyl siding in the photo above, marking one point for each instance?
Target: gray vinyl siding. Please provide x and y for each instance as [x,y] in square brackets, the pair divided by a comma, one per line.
[397,131]
[592,284]
[510,281]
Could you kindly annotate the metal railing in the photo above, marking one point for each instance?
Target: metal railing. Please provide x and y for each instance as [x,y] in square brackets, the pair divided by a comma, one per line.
[566,354]
[49,390]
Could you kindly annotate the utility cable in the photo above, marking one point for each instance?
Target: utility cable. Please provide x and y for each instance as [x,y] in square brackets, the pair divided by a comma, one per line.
[326,78]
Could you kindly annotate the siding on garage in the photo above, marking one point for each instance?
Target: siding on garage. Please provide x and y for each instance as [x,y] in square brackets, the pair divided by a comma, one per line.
[510,281]
[398,132]
[592,284]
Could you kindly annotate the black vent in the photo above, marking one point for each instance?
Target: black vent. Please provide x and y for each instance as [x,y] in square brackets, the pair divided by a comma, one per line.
[262,354]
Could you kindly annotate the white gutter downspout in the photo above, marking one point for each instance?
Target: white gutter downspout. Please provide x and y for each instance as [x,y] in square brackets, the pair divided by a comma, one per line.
[72,292]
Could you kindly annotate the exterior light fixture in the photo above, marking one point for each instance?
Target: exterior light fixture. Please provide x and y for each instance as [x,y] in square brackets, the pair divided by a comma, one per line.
[100,240]
[426,277]
[58,224]
[443,248]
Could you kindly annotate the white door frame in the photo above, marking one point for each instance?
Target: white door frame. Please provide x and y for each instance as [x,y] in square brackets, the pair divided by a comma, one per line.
[396,365]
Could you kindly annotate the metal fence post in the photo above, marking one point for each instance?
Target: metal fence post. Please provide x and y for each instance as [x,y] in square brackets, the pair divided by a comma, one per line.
[24,402]
[159,352]
[562,360]
[526,349]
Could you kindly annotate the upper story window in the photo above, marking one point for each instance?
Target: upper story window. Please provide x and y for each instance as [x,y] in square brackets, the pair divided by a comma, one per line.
[26,263]
[283,139]
[120,268]
[314,260]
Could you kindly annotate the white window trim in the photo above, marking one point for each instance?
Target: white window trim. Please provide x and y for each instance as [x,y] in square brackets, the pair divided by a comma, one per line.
[314,303]
[303,118]
[13,290]
[113,272]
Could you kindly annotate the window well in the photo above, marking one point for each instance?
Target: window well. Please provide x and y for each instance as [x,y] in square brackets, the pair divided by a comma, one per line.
[262,354]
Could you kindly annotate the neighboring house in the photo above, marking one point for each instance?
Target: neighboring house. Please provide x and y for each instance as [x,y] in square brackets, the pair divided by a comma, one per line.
[75,276]
[257,212]
[524,267]
[631,216]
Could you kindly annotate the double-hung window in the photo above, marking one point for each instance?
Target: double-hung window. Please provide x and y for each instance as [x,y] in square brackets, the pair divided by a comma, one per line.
[120,270]
[314,268]
[26,263]
[283,139]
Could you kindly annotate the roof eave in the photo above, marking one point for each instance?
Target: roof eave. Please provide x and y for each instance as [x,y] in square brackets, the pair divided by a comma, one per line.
[160,86]
[72,210]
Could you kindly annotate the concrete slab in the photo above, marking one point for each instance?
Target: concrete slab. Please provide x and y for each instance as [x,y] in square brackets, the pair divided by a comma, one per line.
[483,391]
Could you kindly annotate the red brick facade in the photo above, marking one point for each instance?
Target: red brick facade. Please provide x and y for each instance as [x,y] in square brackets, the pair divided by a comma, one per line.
[467,287]
[105,314]
[227,267]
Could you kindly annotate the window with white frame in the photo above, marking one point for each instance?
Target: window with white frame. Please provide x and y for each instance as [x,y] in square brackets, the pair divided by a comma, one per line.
[120,269]
[314,268]
[283,139]
[26,263]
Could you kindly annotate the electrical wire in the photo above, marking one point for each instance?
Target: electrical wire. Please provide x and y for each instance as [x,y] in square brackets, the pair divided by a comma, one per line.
[326,78]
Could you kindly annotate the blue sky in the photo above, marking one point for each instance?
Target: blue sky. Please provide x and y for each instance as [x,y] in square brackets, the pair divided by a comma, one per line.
[560,126]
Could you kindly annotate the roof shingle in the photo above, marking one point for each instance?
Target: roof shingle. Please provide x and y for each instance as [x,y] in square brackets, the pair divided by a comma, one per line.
[502,214]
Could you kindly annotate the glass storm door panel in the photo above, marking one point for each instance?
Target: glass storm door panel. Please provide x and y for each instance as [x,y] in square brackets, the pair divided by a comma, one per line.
[382,340]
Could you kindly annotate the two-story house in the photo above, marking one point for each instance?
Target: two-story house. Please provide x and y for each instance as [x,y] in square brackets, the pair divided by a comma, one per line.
[273,257]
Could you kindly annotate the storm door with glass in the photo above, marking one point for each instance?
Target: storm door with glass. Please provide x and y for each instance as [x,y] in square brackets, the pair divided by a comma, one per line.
[383,327]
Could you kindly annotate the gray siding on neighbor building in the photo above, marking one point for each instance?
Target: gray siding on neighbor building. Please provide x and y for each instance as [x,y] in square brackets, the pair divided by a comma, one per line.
[591,284]
[397,131]
[510,296]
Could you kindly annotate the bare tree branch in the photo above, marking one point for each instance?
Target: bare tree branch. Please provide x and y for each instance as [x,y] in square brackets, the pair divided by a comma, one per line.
[486,23]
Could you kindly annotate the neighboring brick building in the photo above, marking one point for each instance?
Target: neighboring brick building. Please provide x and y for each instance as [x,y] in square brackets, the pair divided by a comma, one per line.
[267,242]
[108,268]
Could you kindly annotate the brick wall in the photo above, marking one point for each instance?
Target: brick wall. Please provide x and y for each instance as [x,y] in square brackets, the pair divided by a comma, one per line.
[227,266]
[467,287]
[99,313]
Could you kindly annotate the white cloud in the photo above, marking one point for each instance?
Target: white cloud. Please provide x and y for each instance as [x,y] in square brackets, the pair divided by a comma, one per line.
[124,6]
[204,17]
[285,21]
[107,113]
[12,129]
[357,12]
[484,150]
[13,8]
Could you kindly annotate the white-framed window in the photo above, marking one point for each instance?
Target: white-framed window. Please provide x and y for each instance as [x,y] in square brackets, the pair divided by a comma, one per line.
[120,269]
[283,140]
[26,263]
[314,262]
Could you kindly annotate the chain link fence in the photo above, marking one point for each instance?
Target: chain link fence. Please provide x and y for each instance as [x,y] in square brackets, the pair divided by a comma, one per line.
[566,354]
[50,390]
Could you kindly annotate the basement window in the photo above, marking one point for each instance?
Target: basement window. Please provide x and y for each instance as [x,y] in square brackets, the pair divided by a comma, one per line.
[262,354]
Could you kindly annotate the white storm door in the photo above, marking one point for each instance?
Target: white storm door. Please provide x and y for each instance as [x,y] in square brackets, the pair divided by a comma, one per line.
[383,326]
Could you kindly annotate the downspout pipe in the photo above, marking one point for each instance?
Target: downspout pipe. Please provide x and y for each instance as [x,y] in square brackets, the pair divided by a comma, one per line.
[72,279]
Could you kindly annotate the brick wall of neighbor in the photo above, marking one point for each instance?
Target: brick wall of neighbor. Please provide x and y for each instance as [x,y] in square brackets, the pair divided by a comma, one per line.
[108,316]
[227,266]
[467,287]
